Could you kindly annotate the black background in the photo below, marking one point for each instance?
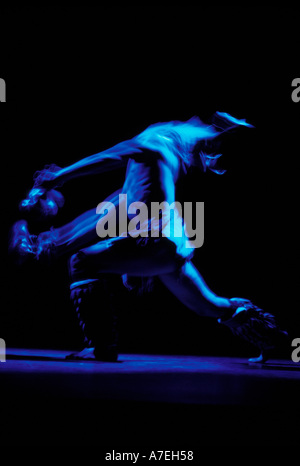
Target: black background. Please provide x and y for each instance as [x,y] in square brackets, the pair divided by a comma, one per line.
[80,79]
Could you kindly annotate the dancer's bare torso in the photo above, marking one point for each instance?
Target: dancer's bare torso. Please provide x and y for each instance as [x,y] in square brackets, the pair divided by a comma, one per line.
[151,177]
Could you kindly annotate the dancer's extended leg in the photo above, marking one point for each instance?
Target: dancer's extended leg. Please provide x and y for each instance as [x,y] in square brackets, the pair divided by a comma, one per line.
[242,317]
[187,284]
[157,258]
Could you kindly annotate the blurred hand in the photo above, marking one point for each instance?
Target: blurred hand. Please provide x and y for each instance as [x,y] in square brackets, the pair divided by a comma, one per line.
[46,178]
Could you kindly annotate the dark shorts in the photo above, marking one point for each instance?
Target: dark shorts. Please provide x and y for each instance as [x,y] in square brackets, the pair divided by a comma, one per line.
[88,263]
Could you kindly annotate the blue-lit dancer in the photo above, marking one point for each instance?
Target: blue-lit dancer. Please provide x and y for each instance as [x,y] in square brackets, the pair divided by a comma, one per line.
[153,161]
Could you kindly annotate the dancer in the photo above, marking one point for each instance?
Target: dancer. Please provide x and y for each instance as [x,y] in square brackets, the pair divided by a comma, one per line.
[154,161]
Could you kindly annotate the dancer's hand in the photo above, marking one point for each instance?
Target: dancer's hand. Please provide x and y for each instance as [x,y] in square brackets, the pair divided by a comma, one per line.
[46,178]
[44,203]
[43,198]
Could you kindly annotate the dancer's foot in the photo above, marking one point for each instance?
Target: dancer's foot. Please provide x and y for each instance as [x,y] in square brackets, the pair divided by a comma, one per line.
[281,349]
[87,354]
[258,328]
[262,358]
[91,354]
[239,302]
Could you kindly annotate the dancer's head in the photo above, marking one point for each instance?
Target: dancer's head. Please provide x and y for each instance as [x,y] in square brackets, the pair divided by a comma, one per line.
[205,155]
[193,141]
[207,151]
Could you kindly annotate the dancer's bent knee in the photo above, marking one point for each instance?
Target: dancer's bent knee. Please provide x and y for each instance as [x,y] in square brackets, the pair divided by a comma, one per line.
[78,267]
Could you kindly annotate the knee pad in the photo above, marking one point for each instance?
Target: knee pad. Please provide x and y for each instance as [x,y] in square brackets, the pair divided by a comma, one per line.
[77,267]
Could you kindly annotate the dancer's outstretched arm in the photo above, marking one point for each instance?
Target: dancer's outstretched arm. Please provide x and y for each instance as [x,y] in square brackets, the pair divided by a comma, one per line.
[110,159]
[80,232]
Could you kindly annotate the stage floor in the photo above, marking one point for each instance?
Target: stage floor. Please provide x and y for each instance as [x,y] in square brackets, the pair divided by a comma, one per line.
[144,395]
